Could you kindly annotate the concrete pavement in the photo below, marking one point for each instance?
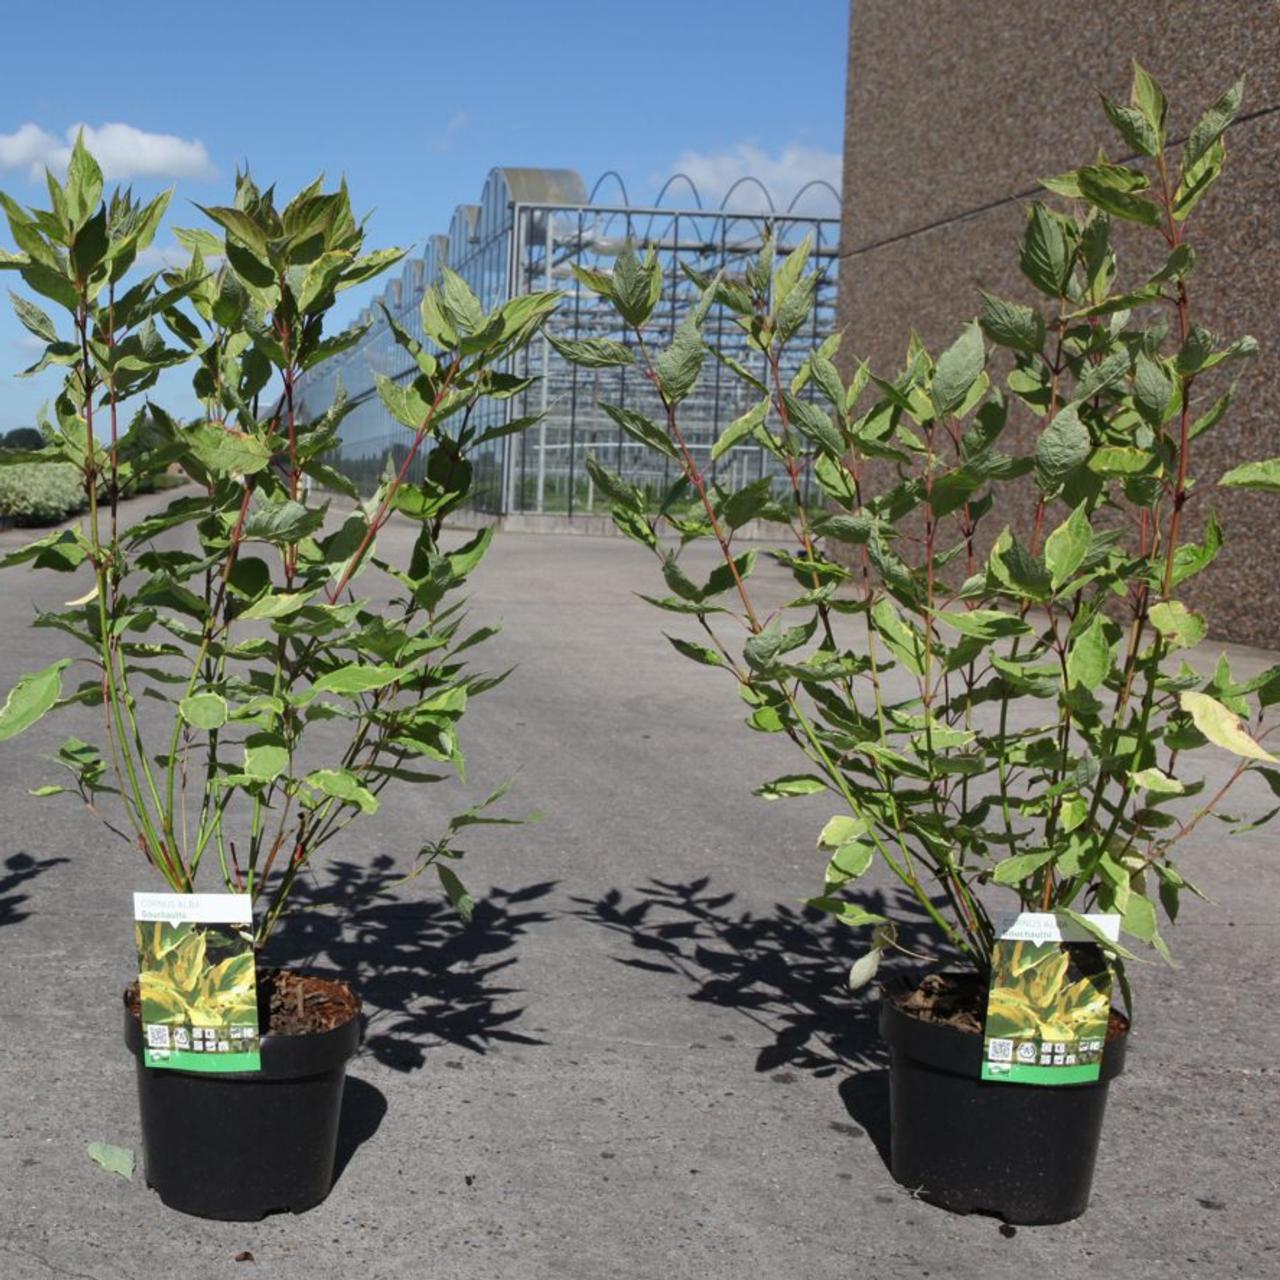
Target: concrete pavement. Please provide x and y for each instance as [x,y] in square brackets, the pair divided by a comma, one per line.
[639,1061]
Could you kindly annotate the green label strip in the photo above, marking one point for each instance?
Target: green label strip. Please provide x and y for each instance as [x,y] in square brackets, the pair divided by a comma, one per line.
[186,1060]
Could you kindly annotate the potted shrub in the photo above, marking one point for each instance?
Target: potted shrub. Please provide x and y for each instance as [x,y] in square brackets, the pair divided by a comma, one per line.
[984,659]
[257,691]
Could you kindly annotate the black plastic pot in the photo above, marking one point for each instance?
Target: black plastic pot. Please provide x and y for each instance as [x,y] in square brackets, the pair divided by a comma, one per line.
[1022,1152]
[237,1146]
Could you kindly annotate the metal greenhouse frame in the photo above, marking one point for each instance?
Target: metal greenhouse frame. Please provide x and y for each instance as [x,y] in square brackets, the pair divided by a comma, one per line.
[528,231]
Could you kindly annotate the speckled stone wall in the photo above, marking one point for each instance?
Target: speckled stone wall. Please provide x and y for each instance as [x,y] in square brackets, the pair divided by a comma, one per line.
[956,107]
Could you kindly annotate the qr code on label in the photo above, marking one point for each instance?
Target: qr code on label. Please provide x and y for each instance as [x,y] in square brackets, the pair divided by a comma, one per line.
[999,1050]
[157,1036]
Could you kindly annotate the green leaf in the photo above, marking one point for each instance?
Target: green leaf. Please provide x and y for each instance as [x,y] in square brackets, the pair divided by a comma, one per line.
[1102,187]
[1012,325]
[117,1160]
[1109,947]
[1015,568]
[638,427]
[723,578]
[792,784]
[463,903]
[1134,127]
[280,520]
[1223,727]
[856,530]
[591,353]
[1152,389]
[266,756]
[1209,128]
[841,830]
[957,369]
[204,710]
[1089,657]
[84,181]
[1120,460]
[35,320]
[814,423]
[1097,377]
[984,624]
[634,286]
[790,272]
[848,862]
[460,305]
[1181,627]
[225,451]
[702,653]
[1158,782]
[1014,870]
[434,324]
[1196,181]
[277,604]
[1046,253]
[238,223]
[403,402]
[357,678]
[846,912]
[906,642]
[747,503]
[1067,546]
[1191,557]
[633,525]
[619,491]
[1140,918]
[30,698]
[679,365]
[1147,96]
[50,283]
[1264,476]
[343,785]
[1062,447]
[740,428]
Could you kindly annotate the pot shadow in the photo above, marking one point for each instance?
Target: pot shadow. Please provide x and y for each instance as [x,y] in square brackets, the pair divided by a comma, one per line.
[363,1107]
[21,867]
[425,976]
[784,970]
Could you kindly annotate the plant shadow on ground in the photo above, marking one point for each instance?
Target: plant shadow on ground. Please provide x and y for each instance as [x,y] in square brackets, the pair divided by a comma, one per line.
[20,868]
[426,978]
[784,970]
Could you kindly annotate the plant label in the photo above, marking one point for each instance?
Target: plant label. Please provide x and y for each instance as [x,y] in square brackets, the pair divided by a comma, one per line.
[196,981]
[1050,999]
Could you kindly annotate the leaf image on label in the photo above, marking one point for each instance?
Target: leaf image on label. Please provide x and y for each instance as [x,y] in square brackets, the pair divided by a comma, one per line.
[1048,1007]
[197,983]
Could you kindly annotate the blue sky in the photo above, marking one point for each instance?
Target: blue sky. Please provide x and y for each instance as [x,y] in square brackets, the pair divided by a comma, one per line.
[414,102]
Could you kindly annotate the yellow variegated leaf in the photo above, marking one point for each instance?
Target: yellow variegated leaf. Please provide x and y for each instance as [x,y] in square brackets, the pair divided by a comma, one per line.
[159,1001]
[185,963]
[1223,727]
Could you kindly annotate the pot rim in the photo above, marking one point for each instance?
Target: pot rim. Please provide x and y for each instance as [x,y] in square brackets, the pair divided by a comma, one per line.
[284,1057]
[959,1052]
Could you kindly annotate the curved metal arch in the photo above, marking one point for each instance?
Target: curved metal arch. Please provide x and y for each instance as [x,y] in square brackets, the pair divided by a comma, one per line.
[697,195]
[617,177]
[740,182]
[814,182]
[676,177]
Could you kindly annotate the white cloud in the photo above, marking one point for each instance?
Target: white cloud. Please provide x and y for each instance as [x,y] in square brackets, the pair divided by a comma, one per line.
[783,174]
[443,141]
[122,150]
[159,257]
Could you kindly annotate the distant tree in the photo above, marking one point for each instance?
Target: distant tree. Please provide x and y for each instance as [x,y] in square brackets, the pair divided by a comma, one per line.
[22,438]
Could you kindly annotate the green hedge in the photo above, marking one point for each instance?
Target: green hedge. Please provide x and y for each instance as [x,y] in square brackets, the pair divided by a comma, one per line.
[39,494]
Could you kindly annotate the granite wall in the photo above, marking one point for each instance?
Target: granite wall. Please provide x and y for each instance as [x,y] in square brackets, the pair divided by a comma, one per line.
[956,107]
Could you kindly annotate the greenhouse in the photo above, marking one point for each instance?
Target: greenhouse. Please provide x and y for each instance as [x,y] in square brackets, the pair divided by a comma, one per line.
[530,228]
